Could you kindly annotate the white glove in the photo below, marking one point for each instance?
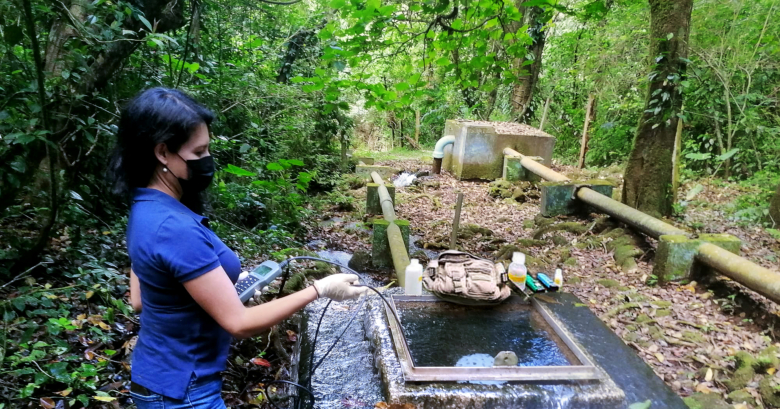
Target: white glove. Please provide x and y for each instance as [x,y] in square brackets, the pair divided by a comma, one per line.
[256,299]
[338,287]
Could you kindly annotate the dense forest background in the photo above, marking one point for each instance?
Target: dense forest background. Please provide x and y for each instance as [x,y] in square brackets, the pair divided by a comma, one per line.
[297,84]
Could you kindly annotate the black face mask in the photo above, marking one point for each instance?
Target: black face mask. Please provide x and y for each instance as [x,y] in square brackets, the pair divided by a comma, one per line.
[200,172]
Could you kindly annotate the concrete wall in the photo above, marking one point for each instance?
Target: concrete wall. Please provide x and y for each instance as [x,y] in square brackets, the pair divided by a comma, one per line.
[478,149]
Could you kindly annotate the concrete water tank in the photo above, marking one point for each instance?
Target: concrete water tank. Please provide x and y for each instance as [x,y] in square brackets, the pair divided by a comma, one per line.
[478,149]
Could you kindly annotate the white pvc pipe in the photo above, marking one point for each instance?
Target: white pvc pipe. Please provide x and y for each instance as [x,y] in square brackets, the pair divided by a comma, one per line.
[438,151]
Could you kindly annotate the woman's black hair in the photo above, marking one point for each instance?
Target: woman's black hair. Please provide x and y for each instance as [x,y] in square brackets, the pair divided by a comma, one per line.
[156,115]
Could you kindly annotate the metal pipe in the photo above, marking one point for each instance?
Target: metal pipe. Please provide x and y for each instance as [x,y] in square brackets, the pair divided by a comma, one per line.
[438,152]
[398,251]
[536,167]
[627,214]
[384,198]
[759,279]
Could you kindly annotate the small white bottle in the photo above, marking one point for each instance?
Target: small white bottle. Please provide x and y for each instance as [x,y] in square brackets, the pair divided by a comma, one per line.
[413,278]
[517,270]
[558,279]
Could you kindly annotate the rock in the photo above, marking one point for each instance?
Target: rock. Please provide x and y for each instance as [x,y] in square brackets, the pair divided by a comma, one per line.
[505,252]
[571,262]
[559,240]
[706,401]
[422,173]
[770,391]
[542,221]
[744,373]
[572,227]
[470,230]
[766,359]
[505,358]
[742,396]
[693,336]
[528,224]
[643,318]
[530,242]
[663,313]
[420,255]
[360,261]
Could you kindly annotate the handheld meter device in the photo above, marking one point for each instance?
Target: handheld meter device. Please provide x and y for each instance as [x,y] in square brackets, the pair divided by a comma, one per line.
[257,279]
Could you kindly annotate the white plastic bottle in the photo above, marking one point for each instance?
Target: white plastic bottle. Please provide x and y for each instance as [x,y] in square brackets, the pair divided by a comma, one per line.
[413,278]
[517,270]
[558,280]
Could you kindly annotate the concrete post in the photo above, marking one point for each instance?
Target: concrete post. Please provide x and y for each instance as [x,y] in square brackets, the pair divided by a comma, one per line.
[514,170]
[373,201]
[558,197]
[676,254]
[381,256]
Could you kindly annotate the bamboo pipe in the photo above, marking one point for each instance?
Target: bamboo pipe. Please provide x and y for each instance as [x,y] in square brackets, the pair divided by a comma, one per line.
[759,279]
[384,198]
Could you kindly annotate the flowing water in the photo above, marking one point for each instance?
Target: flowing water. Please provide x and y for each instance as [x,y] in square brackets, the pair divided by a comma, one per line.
[443,334]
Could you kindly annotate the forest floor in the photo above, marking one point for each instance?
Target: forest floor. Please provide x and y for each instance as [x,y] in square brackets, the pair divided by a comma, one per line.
[712,339]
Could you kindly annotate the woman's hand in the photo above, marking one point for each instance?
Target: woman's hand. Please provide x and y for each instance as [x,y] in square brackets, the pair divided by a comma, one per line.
[339,287]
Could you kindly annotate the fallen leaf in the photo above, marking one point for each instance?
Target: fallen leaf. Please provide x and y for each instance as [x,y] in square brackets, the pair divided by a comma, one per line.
[653,348]
[104,326]
[641,405]
[104,398]
[703,388]
[66,392]
[292,336]
[47,403]
[89,294]
[740,406]
[708,375]
[659,356]
[261,362]
[771,371]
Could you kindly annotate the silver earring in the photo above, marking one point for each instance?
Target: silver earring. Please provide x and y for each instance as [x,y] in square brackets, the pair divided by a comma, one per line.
[165,169]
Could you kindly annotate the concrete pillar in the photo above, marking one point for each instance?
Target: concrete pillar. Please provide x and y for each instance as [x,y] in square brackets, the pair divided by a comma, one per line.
[446,163]
[676,254]
[514,171]
[373,205]
[558,197]
[380,246]
[365,160]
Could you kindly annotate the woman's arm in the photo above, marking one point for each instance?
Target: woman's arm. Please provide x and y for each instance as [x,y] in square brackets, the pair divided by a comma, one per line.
[216,294]
[135,291]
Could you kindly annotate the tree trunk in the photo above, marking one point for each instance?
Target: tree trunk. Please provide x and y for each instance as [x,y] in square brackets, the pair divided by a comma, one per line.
[590,113]
[676,160]
[417,126]
[648,176]
[522,90]
[544,114]
[774,208]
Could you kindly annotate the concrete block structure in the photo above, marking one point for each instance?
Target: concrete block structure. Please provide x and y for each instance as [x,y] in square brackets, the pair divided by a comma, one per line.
[478,149]
[676,254]
[373,203]
[558,197]
[381,257]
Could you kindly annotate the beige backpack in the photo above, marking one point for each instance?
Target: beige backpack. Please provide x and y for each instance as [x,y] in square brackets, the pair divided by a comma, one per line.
[463,278]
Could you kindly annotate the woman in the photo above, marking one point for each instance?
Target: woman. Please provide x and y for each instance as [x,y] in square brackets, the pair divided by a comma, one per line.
[182,276]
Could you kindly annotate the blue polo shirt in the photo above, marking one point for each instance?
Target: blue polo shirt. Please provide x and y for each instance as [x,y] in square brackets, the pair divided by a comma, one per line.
[168,245]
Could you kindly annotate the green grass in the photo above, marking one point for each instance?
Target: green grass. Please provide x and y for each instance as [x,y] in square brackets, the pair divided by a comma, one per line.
[397,153]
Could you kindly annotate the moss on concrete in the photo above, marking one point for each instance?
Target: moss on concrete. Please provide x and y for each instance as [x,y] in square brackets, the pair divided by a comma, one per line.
[380,245]
[542,221]
[676,253]
[373,203]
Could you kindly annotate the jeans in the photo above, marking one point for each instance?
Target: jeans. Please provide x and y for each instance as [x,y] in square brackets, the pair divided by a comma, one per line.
[205,393]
